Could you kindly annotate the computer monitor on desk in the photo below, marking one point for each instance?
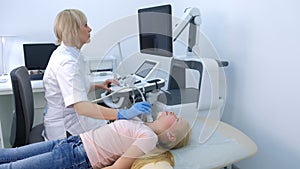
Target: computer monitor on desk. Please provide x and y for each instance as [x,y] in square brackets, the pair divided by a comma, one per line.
[36,58]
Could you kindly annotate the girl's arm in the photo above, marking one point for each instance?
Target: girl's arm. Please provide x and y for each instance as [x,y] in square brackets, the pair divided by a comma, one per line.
[127,159]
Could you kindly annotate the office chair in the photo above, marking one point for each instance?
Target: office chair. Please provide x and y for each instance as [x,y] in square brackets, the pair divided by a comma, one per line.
[22,132]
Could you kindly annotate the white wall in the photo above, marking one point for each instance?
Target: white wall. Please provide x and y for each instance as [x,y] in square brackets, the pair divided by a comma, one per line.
[260,39]
[32,20]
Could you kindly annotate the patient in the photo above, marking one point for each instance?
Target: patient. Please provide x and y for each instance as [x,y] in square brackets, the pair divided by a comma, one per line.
[114,146]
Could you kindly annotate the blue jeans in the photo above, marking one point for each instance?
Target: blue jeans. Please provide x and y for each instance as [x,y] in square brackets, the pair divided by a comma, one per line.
[65,153]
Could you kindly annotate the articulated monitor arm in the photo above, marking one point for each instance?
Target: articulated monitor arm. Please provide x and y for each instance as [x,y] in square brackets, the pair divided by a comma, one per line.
[191,17]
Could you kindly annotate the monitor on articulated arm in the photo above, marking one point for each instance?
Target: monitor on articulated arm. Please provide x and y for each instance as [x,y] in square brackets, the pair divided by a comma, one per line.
[155,30]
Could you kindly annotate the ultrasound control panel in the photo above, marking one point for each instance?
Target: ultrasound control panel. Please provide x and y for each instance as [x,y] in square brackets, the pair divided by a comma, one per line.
[143,86]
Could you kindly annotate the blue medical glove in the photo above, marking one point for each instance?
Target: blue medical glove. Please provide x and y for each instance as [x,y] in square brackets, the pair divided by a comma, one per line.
[135,110]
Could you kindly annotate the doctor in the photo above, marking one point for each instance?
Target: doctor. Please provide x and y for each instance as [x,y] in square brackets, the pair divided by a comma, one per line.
[67,85]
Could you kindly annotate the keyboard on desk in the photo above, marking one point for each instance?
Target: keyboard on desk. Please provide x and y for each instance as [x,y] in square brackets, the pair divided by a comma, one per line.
[36,76]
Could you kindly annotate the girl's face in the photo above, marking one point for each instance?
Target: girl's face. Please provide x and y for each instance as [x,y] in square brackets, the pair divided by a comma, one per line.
[84,33]
[168,120]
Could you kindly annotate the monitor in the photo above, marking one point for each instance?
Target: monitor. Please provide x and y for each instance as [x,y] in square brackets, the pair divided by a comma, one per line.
[146,69]
[155,30]
[37,55]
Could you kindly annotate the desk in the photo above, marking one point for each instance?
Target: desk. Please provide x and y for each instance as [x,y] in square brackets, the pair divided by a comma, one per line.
[7,104]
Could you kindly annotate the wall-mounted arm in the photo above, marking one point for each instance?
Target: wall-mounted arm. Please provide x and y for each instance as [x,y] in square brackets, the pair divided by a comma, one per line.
[191,17]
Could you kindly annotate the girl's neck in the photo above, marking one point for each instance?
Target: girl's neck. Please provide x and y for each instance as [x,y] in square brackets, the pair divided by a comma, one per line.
[153,126]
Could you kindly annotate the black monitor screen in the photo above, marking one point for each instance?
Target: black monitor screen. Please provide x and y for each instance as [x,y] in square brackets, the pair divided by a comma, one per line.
[36,56]
[155,30]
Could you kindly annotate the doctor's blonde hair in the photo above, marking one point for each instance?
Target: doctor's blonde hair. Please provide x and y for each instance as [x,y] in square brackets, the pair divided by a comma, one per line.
[67,26]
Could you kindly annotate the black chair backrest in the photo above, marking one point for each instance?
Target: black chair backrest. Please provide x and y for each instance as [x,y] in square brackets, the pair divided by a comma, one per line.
[24,106]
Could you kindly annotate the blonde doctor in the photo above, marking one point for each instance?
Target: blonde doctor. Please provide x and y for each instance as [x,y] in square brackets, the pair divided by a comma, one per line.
[67,85]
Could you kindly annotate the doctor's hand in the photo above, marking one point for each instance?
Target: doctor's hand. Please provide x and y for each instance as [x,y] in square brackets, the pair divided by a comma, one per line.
[105,85]
[135,110]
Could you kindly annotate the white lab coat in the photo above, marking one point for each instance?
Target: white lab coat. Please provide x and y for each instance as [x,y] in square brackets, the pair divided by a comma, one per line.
[66,82]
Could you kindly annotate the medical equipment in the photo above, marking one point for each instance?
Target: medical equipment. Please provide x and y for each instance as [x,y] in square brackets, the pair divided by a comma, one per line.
[120,96]
[191,17]
[101,66]
[193,87]
[133,85]
[208,69]
[225,147]
[155,30]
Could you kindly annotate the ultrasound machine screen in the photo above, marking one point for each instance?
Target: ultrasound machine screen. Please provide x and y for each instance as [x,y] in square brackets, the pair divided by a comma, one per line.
[155,30]
[145,69]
